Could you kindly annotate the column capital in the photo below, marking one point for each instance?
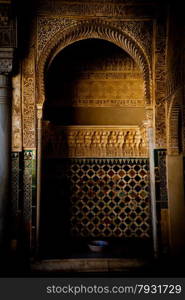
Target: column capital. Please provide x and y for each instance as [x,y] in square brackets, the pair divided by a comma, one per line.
[39,111]
[148,122]
[6,60]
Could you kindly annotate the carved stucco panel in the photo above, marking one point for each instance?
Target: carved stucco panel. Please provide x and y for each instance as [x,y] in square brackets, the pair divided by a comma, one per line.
[96,8]
[28,94]
[94,141]
[160,126]
[160,84]
[142,31]
[95,28]
[16,114]
[47,27]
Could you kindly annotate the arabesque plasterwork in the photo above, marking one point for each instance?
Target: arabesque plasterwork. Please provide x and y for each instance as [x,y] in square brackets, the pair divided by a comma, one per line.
[94,29]
[108,81]
[134,28]
[94,141]
[135,37]
[67,31]
[16,114]
[28,99]
[141,31]
[160,84]
[111,8]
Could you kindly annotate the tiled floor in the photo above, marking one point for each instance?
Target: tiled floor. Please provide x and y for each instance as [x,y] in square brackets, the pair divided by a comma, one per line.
[130,267]
[122,264]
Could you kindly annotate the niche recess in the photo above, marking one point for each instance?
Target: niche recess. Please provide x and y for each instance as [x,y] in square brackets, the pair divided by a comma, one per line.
[95,178]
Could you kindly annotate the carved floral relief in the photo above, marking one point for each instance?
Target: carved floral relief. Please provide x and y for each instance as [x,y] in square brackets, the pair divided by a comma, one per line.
[28,94]
[16,114]
[94,141]
[160,85]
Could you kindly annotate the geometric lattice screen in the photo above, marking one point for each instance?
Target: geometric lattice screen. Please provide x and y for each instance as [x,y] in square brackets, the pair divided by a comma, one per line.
[108,197]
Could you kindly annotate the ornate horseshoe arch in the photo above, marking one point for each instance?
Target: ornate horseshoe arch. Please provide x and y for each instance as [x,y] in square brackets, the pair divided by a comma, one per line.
[93,29]
[83,30]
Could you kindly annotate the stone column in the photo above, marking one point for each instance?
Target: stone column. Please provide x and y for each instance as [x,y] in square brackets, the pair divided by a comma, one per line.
[150,135]
[39,149]
[5,137]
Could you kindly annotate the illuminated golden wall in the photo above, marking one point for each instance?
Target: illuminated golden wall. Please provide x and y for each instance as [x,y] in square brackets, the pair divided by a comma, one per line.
[94,82]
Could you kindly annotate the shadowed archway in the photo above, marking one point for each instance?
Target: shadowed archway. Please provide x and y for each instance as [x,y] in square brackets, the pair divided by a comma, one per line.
[86,63]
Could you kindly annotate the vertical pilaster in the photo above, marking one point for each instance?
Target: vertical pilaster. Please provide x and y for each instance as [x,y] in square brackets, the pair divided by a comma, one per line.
[39,149]
[4,150]
[151,145]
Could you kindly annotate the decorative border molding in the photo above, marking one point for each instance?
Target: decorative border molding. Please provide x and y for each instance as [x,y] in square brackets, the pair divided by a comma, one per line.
[16,114]
[160,83]
[108,103]
[91,8]
[28,100]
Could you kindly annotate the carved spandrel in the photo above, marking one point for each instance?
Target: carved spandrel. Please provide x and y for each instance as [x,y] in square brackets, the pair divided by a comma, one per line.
[142,31]
[102,29]
[49,26]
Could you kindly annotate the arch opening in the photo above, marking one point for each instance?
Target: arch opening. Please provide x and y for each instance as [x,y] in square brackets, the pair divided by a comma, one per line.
[99,30]
[99,77]
[94,152]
